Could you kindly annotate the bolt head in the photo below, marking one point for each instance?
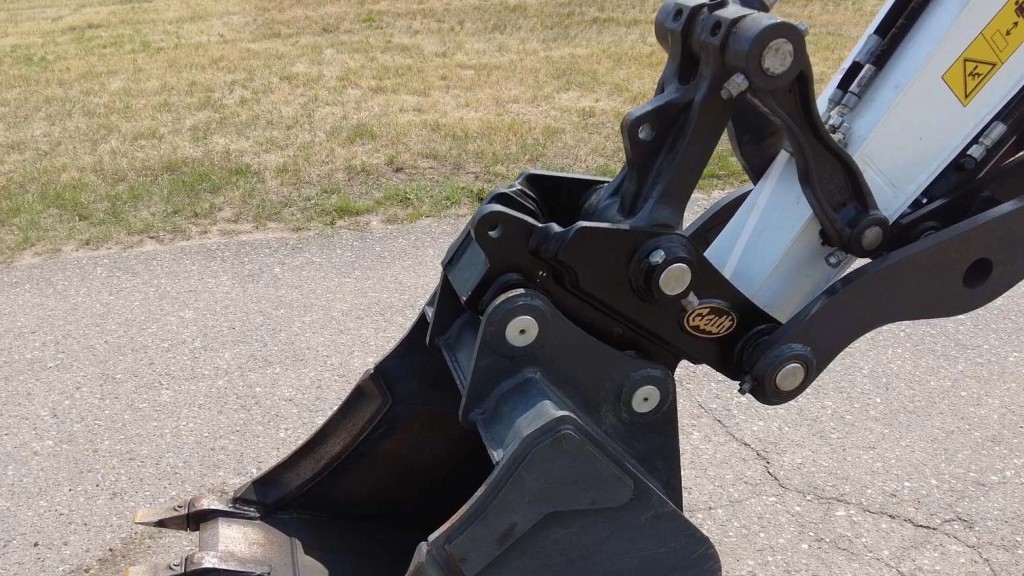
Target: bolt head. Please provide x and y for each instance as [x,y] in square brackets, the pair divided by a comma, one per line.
[675,279]
[735,86]
[791,377]
[835,121]
[657,258]
[778,57]
[645,399]
[522,331]
[968,163]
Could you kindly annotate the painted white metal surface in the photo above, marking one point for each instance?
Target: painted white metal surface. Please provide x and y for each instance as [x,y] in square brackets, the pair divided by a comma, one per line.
[907,128]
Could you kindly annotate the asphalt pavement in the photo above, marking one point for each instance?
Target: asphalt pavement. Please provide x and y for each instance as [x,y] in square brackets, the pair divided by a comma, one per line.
[133,378]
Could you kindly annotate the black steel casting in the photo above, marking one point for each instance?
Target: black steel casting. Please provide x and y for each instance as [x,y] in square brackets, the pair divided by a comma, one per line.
[948,273]
[725,63]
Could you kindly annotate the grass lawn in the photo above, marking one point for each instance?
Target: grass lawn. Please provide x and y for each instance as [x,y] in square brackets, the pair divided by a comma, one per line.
[129,119]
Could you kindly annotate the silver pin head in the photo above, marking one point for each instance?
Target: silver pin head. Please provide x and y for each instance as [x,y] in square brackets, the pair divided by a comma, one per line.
[778,57]
[645,399]
[522,331]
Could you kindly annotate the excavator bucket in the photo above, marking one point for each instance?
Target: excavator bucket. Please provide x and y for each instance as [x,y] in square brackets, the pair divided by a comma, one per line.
[526,424]
[456,455]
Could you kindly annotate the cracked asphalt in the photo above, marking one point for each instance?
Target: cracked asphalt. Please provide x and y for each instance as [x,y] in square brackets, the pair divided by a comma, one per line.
[133,378]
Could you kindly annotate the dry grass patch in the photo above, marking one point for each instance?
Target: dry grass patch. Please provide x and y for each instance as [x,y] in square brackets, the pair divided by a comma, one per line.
[122,119]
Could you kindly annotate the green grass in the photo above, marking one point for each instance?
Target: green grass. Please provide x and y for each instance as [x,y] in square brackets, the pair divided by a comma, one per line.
[129,119]
[177,199]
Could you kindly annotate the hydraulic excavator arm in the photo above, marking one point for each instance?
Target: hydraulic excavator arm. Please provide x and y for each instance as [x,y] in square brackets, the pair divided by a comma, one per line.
[527,424]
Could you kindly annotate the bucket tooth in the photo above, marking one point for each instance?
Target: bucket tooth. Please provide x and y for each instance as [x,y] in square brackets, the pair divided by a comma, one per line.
[204,564]
[188,515]
[173,568]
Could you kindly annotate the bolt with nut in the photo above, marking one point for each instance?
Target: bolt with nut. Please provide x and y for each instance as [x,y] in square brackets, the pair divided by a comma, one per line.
[735,86]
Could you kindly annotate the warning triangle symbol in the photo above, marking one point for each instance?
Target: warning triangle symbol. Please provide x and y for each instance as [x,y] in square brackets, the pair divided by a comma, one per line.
[975,73]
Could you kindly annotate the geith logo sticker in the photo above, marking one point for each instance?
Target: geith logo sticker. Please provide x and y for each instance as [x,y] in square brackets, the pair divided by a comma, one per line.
[709,321]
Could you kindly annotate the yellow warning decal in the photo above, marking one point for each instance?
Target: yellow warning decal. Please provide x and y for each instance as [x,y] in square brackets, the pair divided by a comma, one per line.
[987,53]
